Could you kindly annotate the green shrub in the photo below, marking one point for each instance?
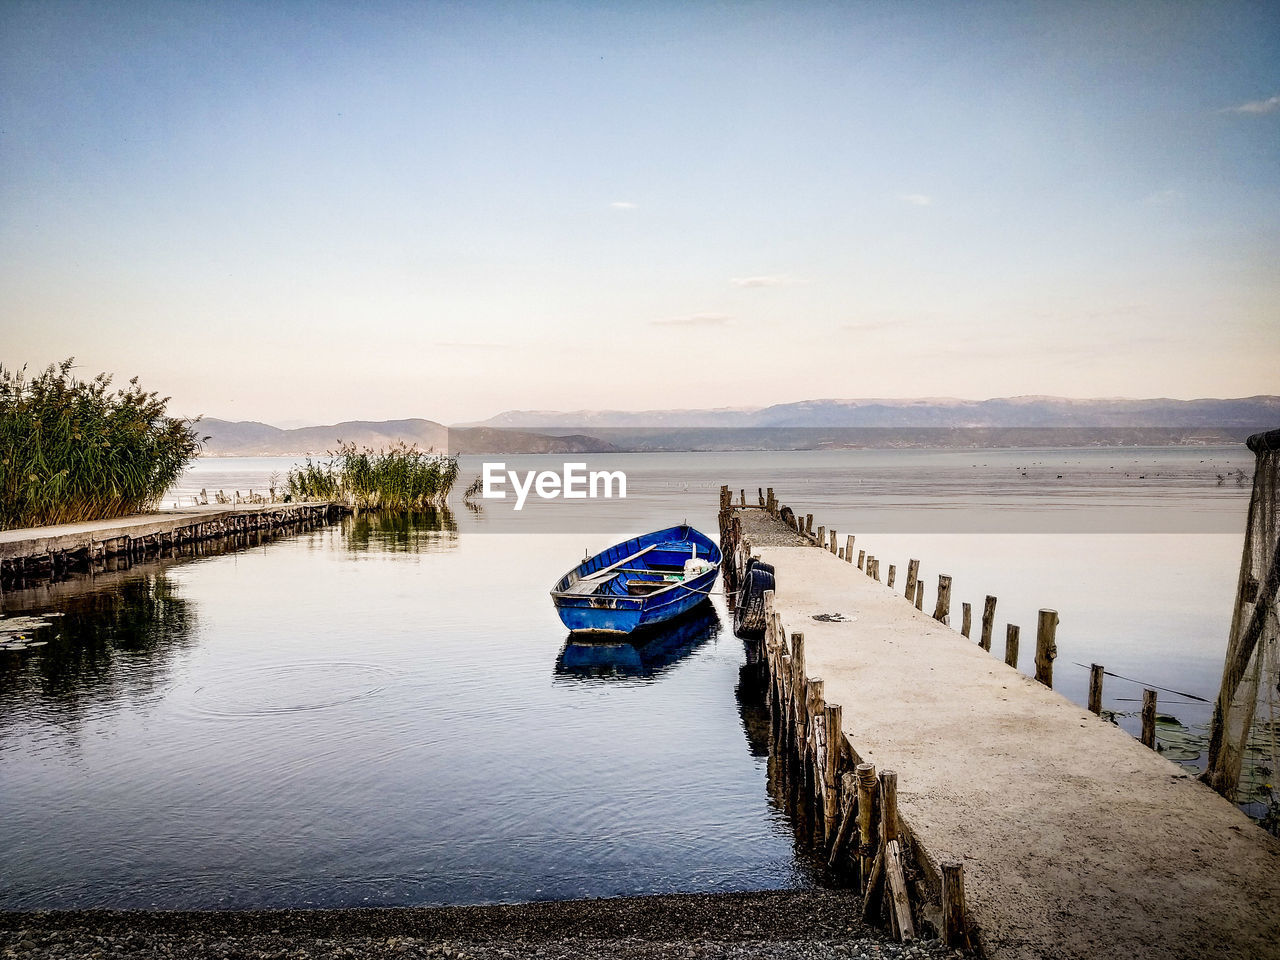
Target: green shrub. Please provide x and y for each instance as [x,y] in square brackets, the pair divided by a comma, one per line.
[73,450]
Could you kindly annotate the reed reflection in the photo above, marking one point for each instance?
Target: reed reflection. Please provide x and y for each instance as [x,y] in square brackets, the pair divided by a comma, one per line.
[117,638]
[395,532]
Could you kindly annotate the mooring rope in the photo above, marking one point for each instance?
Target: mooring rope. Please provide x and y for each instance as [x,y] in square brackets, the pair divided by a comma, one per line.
[1150,686]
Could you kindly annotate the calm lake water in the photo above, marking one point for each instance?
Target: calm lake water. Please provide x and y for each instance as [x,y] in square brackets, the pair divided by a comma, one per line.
[389,713]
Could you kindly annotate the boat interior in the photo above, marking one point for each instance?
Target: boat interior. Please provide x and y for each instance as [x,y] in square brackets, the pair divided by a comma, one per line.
[650,569]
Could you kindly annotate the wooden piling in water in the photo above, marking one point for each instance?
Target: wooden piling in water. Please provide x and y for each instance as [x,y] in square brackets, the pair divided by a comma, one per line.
[848,818]
[1011,631]
[1046,645]
[942,609]
[988,621]
[1149,718]
[1095,688]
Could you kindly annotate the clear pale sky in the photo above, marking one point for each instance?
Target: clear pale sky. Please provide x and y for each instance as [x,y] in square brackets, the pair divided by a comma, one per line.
[305,212]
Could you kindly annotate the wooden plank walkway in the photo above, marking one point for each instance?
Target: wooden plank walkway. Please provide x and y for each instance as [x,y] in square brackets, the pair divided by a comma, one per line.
[1076,840]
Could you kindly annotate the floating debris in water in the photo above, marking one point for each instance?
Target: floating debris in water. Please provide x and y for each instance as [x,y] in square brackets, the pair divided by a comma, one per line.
[12,625]
[16,632]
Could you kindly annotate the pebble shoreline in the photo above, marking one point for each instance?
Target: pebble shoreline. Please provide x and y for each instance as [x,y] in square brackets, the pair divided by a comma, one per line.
[774,925]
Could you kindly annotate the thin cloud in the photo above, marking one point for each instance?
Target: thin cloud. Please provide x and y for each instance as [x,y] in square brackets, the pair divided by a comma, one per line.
[917,199]
[770,280]
[1255,106]
[623,205]
[697,320]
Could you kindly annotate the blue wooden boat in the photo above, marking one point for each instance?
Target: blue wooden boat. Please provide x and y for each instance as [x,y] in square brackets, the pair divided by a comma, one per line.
[640,582]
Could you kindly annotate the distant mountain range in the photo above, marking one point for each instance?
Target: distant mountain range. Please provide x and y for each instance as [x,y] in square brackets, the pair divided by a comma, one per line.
[248,438]
[1249,413]
[810,424]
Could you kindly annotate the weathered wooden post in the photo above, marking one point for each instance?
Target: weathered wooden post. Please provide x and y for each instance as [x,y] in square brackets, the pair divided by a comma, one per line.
[988,622]
[919,594]
[953,909]
[894,870]
[808,524]
[1011,632]
[942,609]
[913,571]
[867,780]
[814,703]
[1149,718]
[822,536]
[1095,688]
[889,804]
[848,549]
[848,818]
[862,560]
[832,715]
[834,541]
[742,493]
[966,618]
[893,573]
[1046,647]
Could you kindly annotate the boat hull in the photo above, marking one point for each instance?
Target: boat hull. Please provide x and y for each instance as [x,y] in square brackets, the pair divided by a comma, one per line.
[611,612]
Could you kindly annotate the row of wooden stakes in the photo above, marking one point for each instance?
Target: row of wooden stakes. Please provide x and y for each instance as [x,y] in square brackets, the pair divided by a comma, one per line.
[858,807]
[1046,626]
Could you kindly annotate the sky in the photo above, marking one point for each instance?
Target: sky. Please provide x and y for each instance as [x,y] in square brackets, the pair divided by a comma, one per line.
[310,212]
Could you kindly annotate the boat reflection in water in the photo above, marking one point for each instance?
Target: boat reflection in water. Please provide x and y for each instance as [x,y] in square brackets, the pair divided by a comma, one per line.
[644,655]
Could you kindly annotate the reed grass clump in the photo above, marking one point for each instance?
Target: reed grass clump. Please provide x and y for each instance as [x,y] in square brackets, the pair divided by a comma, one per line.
[401,478]
[74,450]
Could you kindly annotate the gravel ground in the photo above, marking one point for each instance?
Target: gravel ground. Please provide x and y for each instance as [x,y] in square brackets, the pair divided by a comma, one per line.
[781,925]
[764,531]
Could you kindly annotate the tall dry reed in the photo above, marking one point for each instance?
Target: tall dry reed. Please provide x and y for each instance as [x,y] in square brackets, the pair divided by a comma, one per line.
[401,477]
[74,450]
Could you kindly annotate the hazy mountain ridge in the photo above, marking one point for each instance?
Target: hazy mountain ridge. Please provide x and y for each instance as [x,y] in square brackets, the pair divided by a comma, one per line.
[1245,413]
[808,424]
[248,438]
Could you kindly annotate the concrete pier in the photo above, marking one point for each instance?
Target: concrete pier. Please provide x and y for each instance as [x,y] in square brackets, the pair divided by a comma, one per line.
[35,552]
[1076,840]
